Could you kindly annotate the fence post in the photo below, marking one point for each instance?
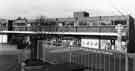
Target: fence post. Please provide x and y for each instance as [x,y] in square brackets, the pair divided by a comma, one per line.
[70,55]
[126,61]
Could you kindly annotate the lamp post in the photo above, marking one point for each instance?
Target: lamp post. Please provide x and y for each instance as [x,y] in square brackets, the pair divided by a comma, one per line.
[119,28]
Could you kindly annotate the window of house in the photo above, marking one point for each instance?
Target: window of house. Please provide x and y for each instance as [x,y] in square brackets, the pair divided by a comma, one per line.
[123,22]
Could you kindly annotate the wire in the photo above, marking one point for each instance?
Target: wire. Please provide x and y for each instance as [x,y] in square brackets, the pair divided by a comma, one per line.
[114,7]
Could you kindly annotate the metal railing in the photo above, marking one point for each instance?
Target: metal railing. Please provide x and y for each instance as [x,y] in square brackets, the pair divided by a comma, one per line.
[94,61]
[100,28]
[108,28]
[22,28]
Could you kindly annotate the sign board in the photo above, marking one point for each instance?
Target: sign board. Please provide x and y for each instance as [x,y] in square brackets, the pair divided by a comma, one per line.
[106,44]
[3,39]
[90,43]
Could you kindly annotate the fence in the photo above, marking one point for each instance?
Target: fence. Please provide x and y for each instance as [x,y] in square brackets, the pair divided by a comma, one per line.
[93,60]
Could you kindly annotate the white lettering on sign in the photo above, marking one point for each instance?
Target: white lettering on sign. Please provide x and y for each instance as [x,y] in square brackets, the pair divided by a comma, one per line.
[3,38]
[90,43]
[105,44]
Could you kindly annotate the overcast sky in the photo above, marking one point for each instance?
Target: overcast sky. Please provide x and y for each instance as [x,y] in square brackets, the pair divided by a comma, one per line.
[65,8]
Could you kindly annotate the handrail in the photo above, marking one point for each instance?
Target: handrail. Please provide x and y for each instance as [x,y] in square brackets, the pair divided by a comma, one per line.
[107,28]
[96,28]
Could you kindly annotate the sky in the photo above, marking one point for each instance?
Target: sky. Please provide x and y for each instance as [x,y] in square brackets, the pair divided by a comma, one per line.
[65,8]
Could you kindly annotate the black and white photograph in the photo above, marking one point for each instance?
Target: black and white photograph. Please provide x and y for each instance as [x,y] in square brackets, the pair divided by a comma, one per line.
[67,35]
